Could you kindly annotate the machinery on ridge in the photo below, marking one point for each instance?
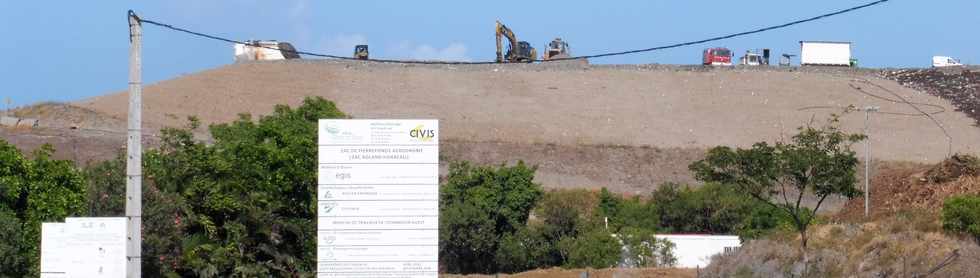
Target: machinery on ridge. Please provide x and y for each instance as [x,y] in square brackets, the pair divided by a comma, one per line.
[517,51]
[557,49]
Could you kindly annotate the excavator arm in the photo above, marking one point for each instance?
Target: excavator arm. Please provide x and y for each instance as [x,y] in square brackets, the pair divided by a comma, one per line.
[504,32]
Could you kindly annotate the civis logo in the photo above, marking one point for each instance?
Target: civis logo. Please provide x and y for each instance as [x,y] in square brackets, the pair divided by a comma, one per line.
[331,129]
[422,134]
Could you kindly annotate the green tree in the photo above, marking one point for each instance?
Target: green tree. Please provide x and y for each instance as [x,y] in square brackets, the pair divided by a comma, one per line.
[33,191]
[817,161]
[961,214]
[243,205]
[479,206]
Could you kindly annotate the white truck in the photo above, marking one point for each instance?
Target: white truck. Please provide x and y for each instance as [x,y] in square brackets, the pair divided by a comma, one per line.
[944,61]
[825,53]
[264,50]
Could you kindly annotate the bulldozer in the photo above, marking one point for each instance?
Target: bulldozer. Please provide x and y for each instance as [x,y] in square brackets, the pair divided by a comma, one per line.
[517,51]
[557,49]
[361,52]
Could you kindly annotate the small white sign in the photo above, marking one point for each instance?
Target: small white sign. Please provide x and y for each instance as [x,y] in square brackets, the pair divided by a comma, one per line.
[378,198]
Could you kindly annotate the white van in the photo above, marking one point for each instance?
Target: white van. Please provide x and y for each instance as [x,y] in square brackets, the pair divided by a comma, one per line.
[944,61]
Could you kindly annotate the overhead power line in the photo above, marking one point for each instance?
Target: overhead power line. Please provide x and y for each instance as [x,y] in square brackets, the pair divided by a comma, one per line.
[608,54]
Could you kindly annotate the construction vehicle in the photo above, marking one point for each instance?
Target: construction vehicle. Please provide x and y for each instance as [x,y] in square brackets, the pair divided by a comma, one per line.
[557,49]
[754,58]
[262,50]
[361,52]
[717,56]
[517,51]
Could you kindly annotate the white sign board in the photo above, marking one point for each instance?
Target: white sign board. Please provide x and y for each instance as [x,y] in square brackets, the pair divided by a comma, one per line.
[378,198]
[96,246]
[54,261]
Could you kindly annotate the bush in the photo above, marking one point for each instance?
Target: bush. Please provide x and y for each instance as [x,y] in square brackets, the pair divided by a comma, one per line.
[106,188]
[642,249]
[526,249]
[33,191]
[479,207]
[629,212]
[961,214]
[595,249]
[564,213]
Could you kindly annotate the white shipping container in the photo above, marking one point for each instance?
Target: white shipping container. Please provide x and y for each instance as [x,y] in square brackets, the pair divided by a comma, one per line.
[825,53]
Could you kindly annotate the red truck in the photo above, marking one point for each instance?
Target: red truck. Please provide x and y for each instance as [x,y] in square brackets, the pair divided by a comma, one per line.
[717,56]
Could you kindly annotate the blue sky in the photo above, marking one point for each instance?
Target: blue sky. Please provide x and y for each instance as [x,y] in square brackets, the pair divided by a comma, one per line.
[70,50]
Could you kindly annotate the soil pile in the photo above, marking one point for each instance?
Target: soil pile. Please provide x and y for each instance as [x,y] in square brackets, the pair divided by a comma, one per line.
[917,187]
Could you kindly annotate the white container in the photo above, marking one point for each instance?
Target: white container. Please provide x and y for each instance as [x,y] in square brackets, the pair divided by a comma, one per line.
[825,53]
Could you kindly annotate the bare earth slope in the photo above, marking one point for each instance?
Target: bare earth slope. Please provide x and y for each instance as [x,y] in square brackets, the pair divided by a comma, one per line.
[663,107]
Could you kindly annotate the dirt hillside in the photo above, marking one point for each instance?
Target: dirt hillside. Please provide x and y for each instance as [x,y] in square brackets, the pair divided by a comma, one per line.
[625,127]
[586,105]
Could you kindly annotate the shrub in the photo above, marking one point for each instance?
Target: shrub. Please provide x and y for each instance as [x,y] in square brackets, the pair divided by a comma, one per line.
[526,249]
[961,214]
[479,206]
[106,188]
[595,249]
[565,212]
[642,249]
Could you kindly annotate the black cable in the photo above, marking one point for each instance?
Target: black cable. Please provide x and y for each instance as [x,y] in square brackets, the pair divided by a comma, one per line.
[846,108]
[676,45]
[728,36]
[949,150]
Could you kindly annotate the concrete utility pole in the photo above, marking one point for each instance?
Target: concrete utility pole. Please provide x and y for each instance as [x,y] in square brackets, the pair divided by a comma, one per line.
[134,153]
[867,158]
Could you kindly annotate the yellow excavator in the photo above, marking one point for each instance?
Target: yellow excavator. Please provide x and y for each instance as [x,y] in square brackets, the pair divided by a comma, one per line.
[517,51]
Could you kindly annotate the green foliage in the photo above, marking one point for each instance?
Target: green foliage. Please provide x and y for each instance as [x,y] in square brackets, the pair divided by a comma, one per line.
[13,263]
[528,248]
[106,188]
[673,208]
[595,249]
[711,209]
[33,191]
[817,161]
[564,213]
[642,249]
[627,212]
[961,214]
[762,220]
[479,206]
[242,205]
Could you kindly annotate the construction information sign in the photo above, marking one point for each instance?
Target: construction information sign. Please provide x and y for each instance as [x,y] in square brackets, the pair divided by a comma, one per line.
[378,198]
